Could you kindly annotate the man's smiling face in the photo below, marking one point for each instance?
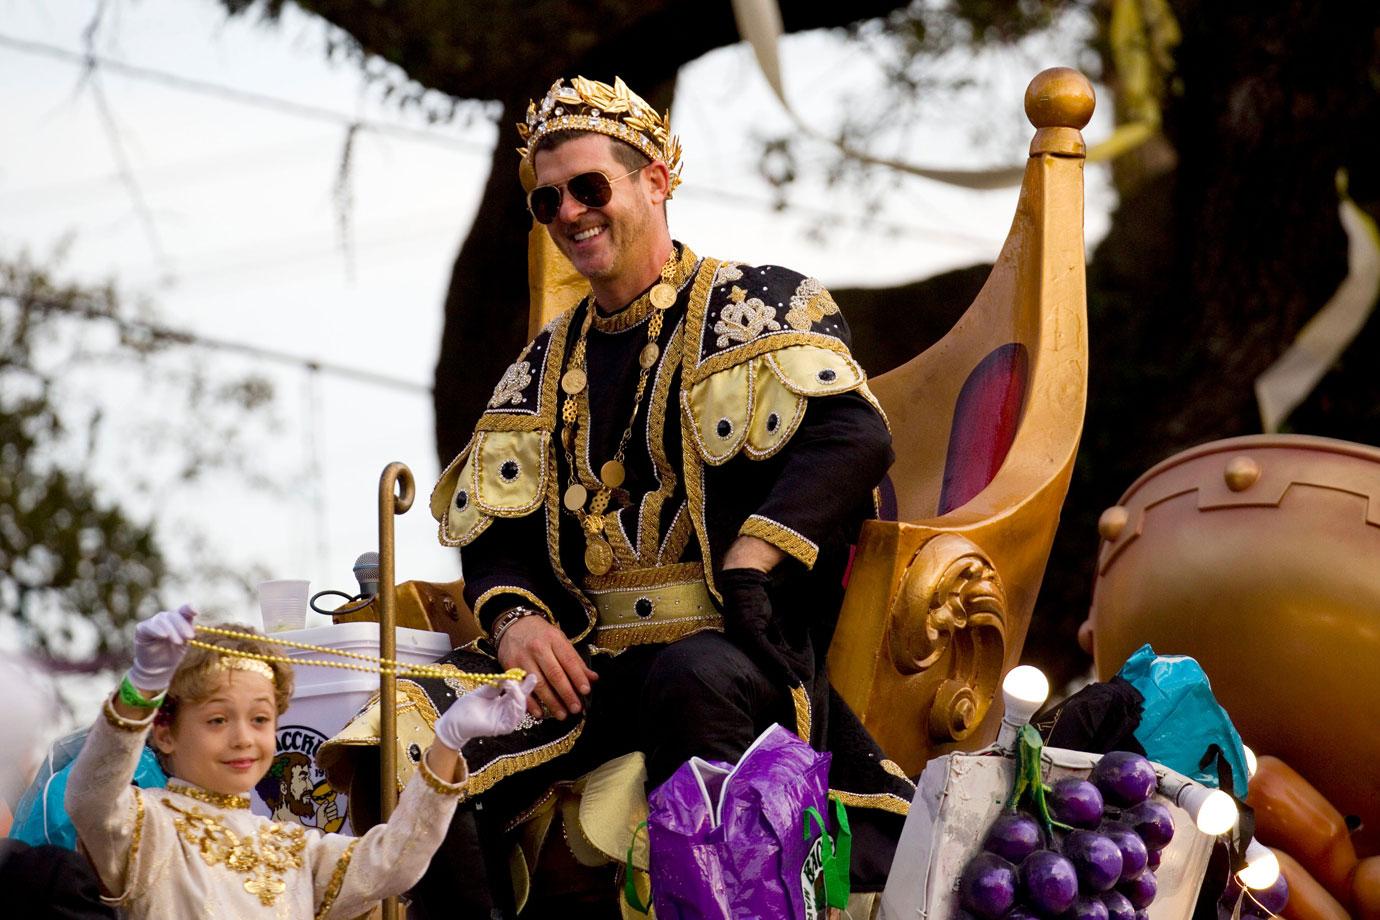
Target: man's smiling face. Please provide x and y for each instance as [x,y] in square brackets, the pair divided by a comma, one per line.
[602,243]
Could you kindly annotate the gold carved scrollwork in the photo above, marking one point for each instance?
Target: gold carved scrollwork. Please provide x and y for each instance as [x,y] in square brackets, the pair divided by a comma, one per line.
[949,619]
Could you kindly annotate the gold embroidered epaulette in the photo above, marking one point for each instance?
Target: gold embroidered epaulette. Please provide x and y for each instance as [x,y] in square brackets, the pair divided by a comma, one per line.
[503,470]
[768,340]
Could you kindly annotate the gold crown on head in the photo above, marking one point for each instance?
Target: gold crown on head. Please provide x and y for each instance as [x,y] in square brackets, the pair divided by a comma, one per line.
[231,662]
[588,105]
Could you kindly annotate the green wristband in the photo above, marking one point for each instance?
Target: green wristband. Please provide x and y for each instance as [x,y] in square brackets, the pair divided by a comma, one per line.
[130,695]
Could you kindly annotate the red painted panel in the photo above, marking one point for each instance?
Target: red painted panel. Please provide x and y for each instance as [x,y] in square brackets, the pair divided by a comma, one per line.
[986,416]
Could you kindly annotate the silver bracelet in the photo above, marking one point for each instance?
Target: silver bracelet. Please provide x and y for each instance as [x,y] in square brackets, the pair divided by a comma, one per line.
[506,619]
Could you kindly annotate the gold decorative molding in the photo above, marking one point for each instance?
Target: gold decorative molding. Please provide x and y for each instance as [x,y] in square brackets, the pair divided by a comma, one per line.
[949,614]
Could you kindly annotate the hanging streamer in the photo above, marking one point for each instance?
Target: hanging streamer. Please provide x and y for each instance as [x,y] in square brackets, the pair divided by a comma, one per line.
[1287,382]
[1143,41]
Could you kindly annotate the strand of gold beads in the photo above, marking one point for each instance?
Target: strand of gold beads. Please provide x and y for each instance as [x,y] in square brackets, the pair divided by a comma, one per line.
[598,552]
[373,665]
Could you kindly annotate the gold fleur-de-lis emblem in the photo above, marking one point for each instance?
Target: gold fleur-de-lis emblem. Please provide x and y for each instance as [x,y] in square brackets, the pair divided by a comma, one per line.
[265,888]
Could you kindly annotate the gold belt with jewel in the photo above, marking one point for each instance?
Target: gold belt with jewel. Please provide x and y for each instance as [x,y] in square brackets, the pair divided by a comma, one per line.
[645,606]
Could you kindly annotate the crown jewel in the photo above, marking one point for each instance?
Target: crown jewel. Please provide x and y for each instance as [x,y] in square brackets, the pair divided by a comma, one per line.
[588,105]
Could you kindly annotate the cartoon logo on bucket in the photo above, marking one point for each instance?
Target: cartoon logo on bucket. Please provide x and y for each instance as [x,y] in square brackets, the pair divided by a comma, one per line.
[295,789]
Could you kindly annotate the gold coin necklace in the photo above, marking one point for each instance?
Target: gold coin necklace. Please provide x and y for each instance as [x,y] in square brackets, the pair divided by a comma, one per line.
[598,552]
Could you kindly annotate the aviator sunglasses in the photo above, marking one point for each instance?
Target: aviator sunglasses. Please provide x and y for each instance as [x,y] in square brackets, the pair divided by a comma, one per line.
[591,189]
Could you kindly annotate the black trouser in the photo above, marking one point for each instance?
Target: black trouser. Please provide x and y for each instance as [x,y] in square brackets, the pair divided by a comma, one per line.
[700,696]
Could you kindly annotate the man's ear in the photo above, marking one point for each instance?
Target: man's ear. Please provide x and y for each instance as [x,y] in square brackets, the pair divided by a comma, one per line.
[658,181]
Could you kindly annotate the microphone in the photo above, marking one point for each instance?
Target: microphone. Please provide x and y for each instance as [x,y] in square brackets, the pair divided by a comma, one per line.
[367,574]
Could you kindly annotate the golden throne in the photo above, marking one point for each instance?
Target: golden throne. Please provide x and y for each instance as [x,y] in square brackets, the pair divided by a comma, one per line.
[986,423]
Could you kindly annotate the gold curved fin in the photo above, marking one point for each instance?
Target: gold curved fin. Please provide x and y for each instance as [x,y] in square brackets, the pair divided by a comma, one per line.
[1034,297]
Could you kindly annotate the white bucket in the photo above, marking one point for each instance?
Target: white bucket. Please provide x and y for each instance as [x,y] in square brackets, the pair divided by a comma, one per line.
[323,700]
[955,802]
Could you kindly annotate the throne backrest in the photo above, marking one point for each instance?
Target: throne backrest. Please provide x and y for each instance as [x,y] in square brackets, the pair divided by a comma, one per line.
[985,425]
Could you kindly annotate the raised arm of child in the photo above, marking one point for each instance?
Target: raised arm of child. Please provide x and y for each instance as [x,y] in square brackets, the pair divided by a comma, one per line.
[350,874]
[105,809]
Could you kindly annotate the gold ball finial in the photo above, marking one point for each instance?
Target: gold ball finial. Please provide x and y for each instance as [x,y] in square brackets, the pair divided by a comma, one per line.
[1241,473]
[1060,97]
[1112,523]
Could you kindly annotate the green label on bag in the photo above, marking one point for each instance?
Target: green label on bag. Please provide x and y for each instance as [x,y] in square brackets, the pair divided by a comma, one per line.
[824,875]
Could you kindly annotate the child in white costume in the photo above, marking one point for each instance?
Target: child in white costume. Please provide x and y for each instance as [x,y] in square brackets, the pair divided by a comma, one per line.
[194,849]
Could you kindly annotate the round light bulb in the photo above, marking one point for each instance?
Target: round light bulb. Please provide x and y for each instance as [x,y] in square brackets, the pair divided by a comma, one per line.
[1023,691]
[1217,814]
[1262,867]
[1026,684]
[1251,763]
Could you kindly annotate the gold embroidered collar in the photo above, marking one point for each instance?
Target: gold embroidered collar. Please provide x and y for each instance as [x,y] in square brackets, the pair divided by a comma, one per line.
[635,313]
[218,799]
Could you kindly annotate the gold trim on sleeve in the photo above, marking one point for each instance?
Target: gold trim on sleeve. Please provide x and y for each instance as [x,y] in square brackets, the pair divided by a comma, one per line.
[337,879]
[499,769]
[521,592]
[131,858]
[438,785]
[121,723]
[790,542]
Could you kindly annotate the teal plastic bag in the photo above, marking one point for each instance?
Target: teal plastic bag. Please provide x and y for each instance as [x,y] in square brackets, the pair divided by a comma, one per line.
[44,819]
[1182,725]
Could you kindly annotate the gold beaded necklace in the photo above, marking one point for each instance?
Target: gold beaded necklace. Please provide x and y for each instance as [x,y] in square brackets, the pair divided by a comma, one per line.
[373,665]
[594,519]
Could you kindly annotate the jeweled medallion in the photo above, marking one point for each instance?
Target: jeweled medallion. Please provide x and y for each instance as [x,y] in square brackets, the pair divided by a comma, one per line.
[598,555]
[612,474]
[573,381]
[663,296]
[575,496]
[647,357]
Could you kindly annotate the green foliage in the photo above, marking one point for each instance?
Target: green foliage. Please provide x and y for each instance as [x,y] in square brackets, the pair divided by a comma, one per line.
[78,566]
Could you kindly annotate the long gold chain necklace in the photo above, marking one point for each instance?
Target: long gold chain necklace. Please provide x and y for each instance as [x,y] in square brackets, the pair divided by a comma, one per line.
[373,663]
[593,520]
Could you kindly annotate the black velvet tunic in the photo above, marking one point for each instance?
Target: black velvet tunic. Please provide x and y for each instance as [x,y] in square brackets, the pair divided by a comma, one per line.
[697,478]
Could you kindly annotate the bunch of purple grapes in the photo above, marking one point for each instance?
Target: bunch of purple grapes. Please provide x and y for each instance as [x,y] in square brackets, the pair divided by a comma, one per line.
[1102,867]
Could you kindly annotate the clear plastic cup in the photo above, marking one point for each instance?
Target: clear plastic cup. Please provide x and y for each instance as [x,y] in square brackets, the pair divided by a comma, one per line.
[283,603]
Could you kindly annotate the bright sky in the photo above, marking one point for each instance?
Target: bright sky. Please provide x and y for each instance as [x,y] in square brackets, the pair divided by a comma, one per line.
[244,245]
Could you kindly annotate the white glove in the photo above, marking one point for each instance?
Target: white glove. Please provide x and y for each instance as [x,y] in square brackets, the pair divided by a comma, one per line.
[159,644]
[484,712]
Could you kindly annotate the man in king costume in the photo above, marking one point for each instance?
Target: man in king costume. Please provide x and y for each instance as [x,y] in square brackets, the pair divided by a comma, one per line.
[656,511]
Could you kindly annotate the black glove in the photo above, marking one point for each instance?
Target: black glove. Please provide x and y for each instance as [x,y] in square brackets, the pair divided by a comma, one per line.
[751,624]
[747,606]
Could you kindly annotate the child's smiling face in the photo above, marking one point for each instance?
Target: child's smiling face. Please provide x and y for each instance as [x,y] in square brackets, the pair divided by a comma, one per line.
[225,742]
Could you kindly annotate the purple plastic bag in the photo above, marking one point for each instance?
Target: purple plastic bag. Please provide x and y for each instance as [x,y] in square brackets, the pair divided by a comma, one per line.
[728,842]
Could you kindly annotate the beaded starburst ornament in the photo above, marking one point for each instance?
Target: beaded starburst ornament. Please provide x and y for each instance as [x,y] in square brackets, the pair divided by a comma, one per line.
[588,105]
